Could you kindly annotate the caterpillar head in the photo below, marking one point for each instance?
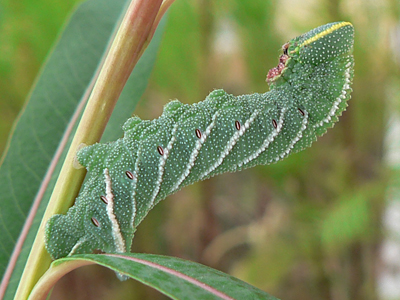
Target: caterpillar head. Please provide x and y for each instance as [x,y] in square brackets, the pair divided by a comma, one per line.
[316,69]
[320,45]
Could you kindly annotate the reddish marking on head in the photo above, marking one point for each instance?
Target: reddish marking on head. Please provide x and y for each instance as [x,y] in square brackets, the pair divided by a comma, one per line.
[280,67]
[95,222]
[274,123]
[198,133]
[129,174]
[277,71]
[237,125]
[272,74]
[160,150]
[283,58]
[104,199]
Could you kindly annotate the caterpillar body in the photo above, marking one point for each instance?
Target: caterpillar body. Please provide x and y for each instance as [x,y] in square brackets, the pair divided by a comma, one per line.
[309,90]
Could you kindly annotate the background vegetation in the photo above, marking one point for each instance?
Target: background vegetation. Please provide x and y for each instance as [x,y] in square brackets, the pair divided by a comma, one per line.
[306,228]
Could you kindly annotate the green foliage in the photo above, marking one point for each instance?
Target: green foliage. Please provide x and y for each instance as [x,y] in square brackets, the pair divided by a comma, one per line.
[42,126]
[263,225]
[27,30]
[174,277]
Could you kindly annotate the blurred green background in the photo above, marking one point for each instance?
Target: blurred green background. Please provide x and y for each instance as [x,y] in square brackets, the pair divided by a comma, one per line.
[310,227]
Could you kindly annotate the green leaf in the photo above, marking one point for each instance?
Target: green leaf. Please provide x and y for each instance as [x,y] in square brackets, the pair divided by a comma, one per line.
[59,90]
[174,277]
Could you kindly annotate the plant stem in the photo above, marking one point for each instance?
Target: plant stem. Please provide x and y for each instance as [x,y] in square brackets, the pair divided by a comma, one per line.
[134,34]
[52,275]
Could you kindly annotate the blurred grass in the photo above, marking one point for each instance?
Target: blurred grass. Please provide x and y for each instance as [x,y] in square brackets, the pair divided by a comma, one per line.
[308,227]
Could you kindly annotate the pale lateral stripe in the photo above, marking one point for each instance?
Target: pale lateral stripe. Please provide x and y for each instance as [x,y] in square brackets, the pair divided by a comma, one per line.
[267,141]
[232,142]
[116,231]
[161,165]
[195,152]
[297,138]
[339,99]
[78,243]
[135,180]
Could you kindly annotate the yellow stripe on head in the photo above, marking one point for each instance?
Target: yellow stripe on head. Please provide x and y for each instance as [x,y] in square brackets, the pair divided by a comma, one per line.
[325,32]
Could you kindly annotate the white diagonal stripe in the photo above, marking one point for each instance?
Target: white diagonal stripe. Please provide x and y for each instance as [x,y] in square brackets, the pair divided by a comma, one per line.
[116,231]
[340,98]
[270,138]
[134,183]
[195,152]
[78,243]
[232,142]
[161,165]
[297,137]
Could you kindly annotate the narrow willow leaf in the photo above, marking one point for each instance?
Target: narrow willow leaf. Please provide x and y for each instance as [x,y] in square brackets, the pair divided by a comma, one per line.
[224,133]
[60,88]
[52,102]
[174,277]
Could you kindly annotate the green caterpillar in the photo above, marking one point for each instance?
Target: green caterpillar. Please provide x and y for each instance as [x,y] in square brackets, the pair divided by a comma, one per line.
[309,90]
